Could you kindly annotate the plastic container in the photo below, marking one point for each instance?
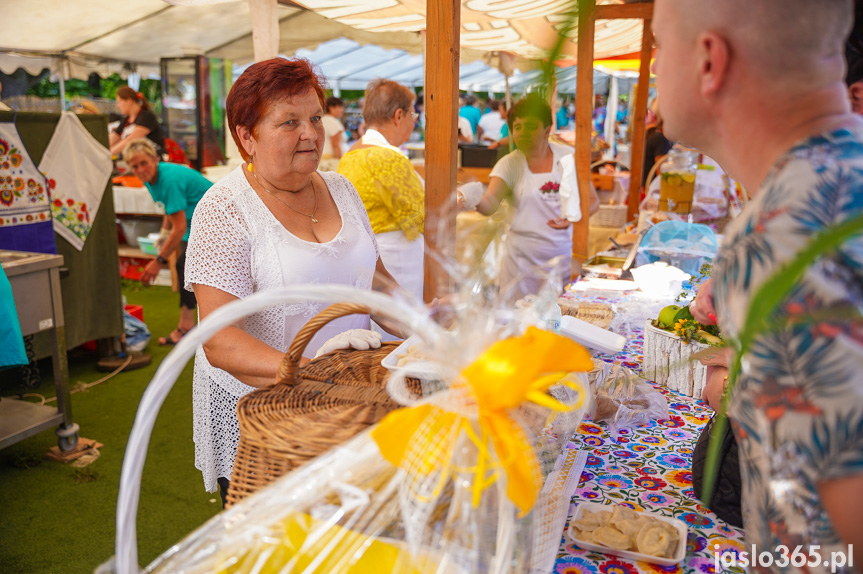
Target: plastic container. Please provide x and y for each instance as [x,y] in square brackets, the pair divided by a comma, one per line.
[147,245]
[135,228]
[660,279]
[591,336]
[391,361]
[679,525]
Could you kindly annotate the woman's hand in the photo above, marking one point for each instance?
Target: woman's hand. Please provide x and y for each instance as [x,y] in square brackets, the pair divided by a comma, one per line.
[702,306]
[558,223]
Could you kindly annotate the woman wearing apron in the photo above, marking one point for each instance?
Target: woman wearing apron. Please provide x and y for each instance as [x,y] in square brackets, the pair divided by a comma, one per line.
[530,178]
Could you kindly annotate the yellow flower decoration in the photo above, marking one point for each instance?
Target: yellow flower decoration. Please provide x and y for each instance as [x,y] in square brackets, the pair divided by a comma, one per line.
[508,374]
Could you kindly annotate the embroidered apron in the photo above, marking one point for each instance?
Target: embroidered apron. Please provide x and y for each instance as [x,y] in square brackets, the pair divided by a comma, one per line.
[25,213]
[531,243]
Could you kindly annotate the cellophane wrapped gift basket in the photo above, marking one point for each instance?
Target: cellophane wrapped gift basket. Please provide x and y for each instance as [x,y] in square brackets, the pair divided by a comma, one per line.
[463,480]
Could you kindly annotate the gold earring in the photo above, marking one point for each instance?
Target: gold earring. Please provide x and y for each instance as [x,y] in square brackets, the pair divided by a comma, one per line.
[251,167]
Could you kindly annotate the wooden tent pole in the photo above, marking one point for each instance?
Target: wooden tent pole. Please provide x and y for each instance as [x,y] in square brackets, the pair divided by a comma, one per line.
[640,112]
[443,23]
[583,127]
[265,28]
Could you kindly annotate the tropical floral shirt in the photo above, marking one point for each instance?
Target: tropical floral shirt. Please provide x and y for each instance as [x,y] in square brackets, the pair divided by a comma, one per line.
[798,410]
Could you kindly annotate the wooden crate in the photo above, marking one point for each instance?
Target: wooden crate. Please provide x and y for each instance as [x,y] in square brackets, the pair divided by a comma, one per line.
[668,361]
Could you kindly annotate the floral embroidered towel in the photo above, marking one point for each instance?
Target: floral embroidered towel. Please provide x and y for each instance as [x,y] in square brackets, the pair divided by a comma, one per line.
[78,168]
[25,215]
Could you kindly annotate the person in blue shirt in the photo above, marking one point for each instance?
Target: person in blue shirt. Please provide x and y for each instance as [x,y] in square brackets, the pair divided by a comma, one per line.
[470,112]
[562,117]
[178,188]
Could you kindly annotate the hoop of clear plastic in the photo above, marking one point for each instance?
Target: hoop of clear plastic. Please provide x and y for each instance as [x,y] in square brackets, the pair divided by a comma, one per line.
[352,511]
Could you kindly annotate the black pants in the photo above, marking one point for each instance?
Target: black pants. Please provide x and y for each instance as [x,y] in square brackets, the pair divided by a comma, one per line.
[224,483]
[187,298]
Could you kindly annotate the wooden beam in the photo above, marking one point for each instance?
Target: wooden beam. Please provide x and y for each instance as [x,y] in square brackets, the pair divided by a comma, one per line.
[583,123]
[640,11]
[443,23]
[265,28]
[636,162]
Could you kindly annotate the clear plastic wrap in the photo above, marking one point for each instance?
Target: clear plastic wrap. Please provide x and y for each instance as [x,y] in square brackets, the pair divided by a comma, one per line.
[350,510]
[465,480]
[624,400]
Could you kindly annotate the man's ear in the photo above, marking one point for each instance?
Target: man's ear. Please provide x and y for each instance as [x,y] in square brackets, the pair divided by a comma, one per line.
[712,53]
[856,94]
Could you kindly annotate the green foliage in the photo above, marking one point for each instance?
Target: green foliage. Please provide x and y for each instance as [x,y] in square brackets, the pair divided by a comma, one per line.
[703,274]
[684,324]
[152,89]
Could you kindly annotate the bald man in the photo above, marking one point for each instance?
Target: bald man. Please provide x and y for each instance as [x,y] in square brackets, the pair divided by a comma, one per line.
[758,85]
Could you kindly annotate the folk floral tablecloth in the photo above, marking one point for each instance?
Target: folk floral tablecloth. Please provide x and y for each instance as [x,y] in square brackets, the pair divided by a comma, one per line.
[647,468]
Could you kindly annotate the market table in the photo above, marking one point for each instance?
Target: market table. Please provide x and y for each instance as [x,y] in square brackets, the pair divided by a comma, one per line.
[648,468]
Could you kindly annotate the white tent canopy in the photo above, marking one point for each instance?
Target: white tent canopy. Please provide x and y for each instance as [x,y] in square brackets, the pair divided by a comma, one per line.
[105,36]
[524,27]
[347,65]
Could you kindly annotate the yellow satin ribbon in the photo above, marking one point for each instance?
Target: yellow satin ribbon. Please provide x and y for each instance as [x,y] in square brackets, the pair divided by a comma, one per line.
[509,373]
[312,547]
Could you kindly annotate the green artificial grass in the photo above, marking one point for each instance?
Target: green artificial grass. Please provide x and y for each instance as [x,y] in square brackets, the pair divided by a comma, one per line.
[59,519]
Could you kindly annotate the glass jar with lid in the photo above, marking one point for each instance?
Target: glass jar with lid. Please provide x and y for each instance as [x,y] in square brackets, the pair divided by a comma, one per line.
[677,183]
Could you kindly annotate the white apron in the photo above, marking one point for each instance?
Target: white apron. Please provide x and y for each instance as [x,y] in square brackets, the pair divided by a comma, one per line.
[531,243]
[402,258]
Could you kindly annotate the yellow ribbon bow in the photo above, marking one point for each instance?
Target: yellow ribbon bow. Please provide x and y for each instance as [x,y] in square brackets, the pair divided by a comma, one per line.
[509,373]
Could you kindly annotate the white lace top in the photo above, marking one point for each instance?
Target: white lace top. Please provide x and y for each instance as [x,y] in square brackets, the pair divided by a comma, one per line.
[238,246]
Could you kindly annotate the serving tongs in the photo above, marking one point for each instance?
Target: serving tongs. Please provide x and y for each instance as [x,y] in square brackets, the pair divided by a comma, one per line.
[633,251]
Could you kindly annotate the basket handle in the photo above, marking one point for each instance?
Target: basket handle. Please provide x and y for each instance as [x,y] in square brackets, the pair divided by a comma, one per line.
[289,369]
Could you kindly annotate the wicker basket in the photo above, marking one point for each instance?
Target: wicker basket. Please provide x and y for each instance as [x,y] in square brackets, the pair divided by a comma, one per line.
[609,216]
[310,409]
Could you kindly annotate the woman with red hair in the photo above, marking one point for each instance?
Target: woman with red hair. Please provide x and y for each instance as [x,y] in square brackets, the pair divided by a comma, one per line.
[274,221]
[139,122]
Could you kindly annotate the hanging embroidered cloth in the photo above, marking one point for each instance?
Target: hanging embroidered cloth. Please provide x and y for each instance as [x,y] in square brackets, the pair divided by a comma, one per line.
[78,168]
[25,214]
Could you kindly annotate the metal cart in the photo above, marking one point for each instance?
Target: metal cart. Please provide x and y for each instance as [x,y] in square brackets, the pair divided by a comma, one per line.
[35,280]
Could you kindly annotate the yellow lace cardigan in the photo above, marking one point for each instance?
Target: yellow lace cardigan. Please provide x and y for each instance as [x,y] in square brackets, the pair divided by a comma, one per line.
[390,189]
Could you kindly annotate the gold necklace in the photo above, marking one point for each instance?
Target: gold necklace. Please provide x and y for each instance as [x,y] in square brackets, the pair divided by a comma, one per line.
[314,211]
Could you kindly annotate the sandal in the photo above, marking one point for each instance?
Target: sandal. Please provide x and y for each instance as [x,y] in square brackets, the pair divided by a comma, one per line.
[169,340]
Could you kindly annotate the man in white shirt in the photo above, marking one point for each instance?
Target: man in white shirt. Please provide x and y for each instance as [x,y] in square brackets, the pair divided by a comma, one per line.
[491,123]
